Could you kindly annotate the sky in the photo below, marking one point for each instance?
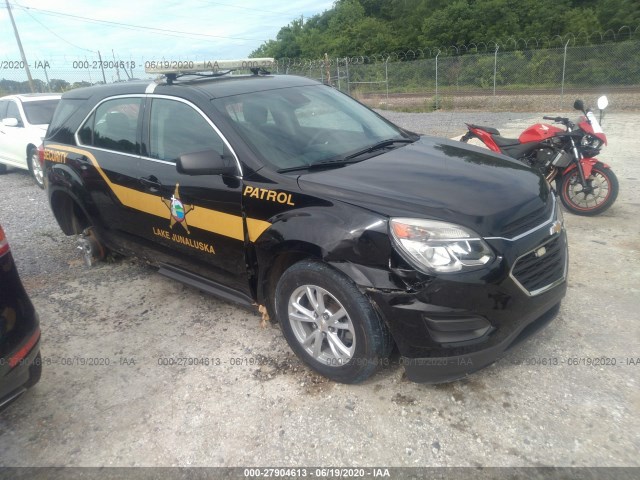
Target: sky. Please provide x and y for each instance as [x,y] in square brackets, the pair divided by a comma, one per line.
[61,32]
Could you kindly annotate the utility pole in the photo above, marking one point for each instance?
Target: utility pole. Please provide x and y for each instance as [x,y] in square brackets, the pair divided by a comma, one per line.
[327,66]
[24,59]
[102,67]
[116,64]
[46,75]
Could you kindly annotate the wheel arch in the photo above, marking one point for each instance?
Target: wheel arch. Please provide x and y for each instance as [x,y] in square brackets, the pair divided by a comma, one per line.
[349,239]
[29,147]
[354,245]
[68,212]
[271,264]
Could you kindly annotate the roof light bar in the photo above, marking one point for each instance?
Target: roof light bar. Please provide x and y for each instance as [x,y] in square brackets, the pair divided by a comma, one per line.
[164,67]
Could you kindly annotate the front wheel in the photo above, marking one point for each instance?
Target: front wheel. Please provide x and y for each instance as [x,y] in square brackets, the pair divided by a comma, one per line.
[329,323]
[599,194]
[35,167]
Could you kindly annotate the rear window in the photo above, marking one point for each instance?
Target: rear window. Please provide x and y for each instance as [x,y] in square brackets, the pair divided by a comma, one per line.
[39,112]
[63,112]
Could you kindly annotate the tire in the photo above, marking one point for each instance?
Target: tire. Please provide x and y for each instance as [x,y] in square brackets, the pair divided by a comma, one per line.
[35,167]
[349,353]
[92,249]
[3,169]
[605,191]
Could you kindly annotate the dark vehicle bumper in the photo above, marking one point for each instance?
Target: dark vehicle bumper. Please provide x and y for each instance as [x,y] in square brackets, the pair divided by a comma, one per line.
[449,326]
[21,377]
[447,369]
[428,361]
[20,364]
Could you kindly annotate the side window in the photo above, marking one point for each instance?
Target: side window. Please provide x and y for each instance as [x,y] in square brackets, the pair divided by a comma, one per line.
[3,109]
[13,112]
[114,126]
[176,129]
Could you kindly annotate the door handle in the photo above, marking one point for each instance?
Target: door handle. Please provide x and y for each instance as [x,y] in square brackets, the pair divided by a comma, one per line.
[151,183]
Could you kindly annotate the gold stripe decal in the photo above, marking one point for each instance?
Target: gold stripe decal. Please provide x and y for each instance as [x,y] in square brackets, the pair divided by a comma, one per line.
[203,218]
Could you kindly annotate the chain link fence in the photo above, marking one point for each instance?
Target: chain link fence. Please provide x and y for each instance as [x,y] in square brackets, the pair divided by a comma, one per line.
[493,79]
[497,80]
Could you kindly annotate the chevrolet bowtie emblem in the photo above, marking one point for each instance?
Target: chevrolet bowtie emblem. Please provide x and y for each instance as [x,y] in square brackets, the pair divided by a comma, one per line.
[556,227]
[540,252]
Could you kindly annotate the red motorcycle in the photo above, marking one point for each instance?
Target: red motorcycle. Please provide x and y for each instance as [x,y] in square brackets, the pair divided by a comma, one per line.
[568,156]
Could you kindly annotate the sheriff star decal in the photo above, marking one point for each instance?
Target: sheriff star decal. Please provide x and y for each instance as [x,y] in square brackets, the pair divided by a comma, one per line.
[178,209]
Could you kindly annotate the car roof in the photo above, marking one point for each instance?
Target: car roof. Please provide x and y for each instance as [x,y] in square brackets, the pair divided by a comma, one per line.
[215,87]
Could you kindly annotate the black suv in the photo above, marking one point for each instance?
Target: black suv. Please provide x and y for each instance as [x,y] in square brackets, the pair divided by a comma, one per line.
[282,192]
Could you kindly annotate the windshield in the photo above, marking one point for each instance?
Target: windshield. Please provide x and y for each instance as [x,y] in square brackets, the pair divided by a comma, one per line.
[39,112]
[595,125]
[304,126]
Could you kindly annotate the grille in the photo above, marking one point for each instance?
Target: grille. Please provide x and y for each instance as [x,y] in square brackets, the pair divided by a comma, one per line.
[534,273]
[529,222]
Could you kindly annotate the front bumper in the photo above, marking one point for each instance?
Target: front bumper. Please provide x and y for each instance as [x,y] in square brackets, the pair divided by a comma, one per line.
[448,326]
[447,369]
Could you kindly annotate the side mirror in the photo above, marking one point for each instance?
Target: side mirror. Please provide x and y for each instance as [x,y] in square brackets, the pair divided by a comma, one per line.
[10,122]
[579,105]
[603,102]
[208,162]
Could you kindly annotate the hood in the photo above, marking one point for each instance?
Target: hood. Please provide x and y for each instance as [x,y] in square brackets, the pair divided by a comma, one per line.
[438,179]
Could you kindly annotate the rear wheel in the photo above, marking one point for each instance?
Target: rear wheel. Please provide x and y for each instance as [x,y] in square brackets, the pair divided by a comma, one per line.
[599,194]
[34,166]
[92,250]
[329,323]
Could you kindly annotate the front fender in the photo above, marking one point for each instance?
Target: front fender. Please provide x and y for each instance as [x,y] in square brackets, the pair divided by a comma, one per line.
[352,240]
[587,165]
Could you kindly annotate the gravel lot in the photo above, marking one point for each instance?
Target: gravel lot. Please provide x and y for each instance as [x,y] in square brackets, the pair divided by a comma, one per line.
[261,407]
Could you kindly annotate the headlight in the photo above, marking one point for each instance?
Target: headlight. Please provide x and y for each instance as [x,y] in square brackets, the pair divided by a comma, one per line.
[591,141]
[438,246]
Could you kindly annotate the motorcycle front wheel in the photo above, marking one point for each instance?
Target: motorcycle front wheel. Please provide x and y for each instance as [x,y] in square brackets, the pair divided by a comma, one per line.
[599,194]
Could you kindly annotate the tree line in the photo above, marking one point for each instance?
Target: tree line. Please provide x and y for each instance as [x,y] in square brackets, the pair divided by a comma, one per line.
[367,27]
[56,85]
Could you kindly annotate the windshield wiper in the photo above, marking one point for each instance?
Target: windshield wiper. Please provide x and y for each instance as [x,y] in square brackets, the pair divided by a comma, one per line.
[378,146]
[336,162]
[351,158]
